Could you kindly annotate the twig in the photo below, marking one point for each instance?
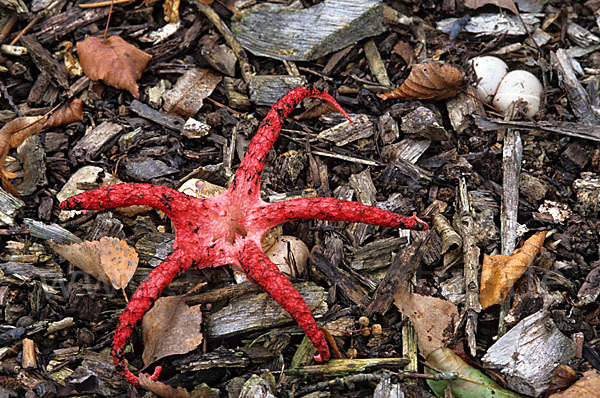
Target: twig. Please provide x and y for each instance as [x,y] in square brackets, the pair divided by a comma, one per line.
[25,29]
[464,226]
[8,97]
[104,3]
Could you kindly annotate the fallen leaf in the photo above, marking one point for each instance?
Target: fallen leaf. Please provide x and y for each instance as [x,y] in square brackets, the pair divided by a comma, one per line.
[115,62]
[508,4]
[161,389]
[11,136]
[563,378]
[110,260]
[587,386]
[500,272]
[171,327]
[471,382]
[428,81]
[405,51]
[71,113]
[432,318]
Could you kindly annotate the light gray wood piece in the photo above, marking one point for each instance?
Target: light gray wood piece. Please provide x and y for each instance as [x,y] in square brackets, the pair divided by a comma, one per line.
[254,311]
[92,144]
[286,33]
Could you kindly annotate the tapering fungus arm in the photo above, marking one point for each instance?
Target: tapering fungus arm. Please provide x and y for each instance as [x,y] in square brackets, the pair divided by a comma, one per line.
[143,298]
[249,174]
[331,209]
[264,273]
[164,199]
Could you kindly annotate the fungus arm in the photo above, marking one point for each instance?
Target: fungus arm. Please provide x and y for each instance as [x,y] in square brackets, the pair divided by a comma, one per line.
[261,271]
[164,199]
[143,298]
[249,174]
[273,214]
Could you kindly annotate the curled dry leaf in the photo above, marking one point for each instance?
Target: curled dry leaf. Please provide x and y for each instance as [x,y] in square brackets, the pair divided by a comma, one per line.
[171,327]
[71,113]
[110,260]
[587,386]
[432,318]
[471,382]
[507,4]
[290,255]
[11,136]
[115,62]
[428,81]
[499,273]
[161,389]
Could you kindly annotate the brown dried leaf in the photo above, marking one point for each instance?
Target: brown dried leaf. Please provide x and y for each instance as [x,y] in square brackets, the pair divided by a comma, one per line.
[432,318]
[71,113]
[110,260]
[115,62]
[428,81]
[171,327]
[405,51]
[508,4]
[499,273]
[587,386]
[11,136]
[161,389]
[563,377]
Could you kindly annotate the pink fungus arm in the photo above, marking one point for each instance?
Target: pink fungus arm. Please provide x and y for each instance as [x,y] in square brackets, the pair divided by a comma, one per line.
[264,273]
[164,199]
[331,209]
[249,174]
[143,298]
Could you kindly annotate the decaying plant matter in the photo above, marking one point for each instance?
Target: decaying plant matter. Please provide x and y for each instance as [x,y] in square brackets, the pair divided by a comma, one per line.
[227,229]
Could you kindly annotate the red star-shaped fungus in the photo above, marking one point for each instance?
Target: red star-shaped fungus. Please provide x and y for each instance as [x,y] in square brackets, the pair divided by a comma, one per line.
[227,229]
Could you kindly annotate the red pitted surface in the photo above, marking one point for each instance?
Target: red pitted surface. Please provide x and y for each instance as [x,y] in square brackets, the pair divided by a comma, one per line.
[227,229]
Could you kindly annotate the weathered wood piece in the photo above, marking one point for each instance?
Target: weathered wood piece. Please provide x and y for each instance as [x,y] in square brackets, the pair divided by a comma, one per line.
[286,33]
[464,225]
[578,96]
[402,270]
[186,97]
[92,144]
[221,58]
[153,248]
[425,123]
[376,65]
[32,156]
[237,100]
[408,149]
[220,357]
[377,254]
[343,367]
[230,39]
[169,121]
[45,62]
[169,49]
[266,90]
[53,232]
[8,207]
[577,130]
[494,24]
[55,28]
[346,132]
[511,169]
[343,282]
[28,272]
[527,354]
[258,311]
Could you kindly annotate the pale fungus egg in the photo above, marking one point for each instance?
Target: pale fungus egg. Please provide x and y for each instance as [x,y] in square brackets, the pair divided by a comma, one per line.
[519,84]
[489,72]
